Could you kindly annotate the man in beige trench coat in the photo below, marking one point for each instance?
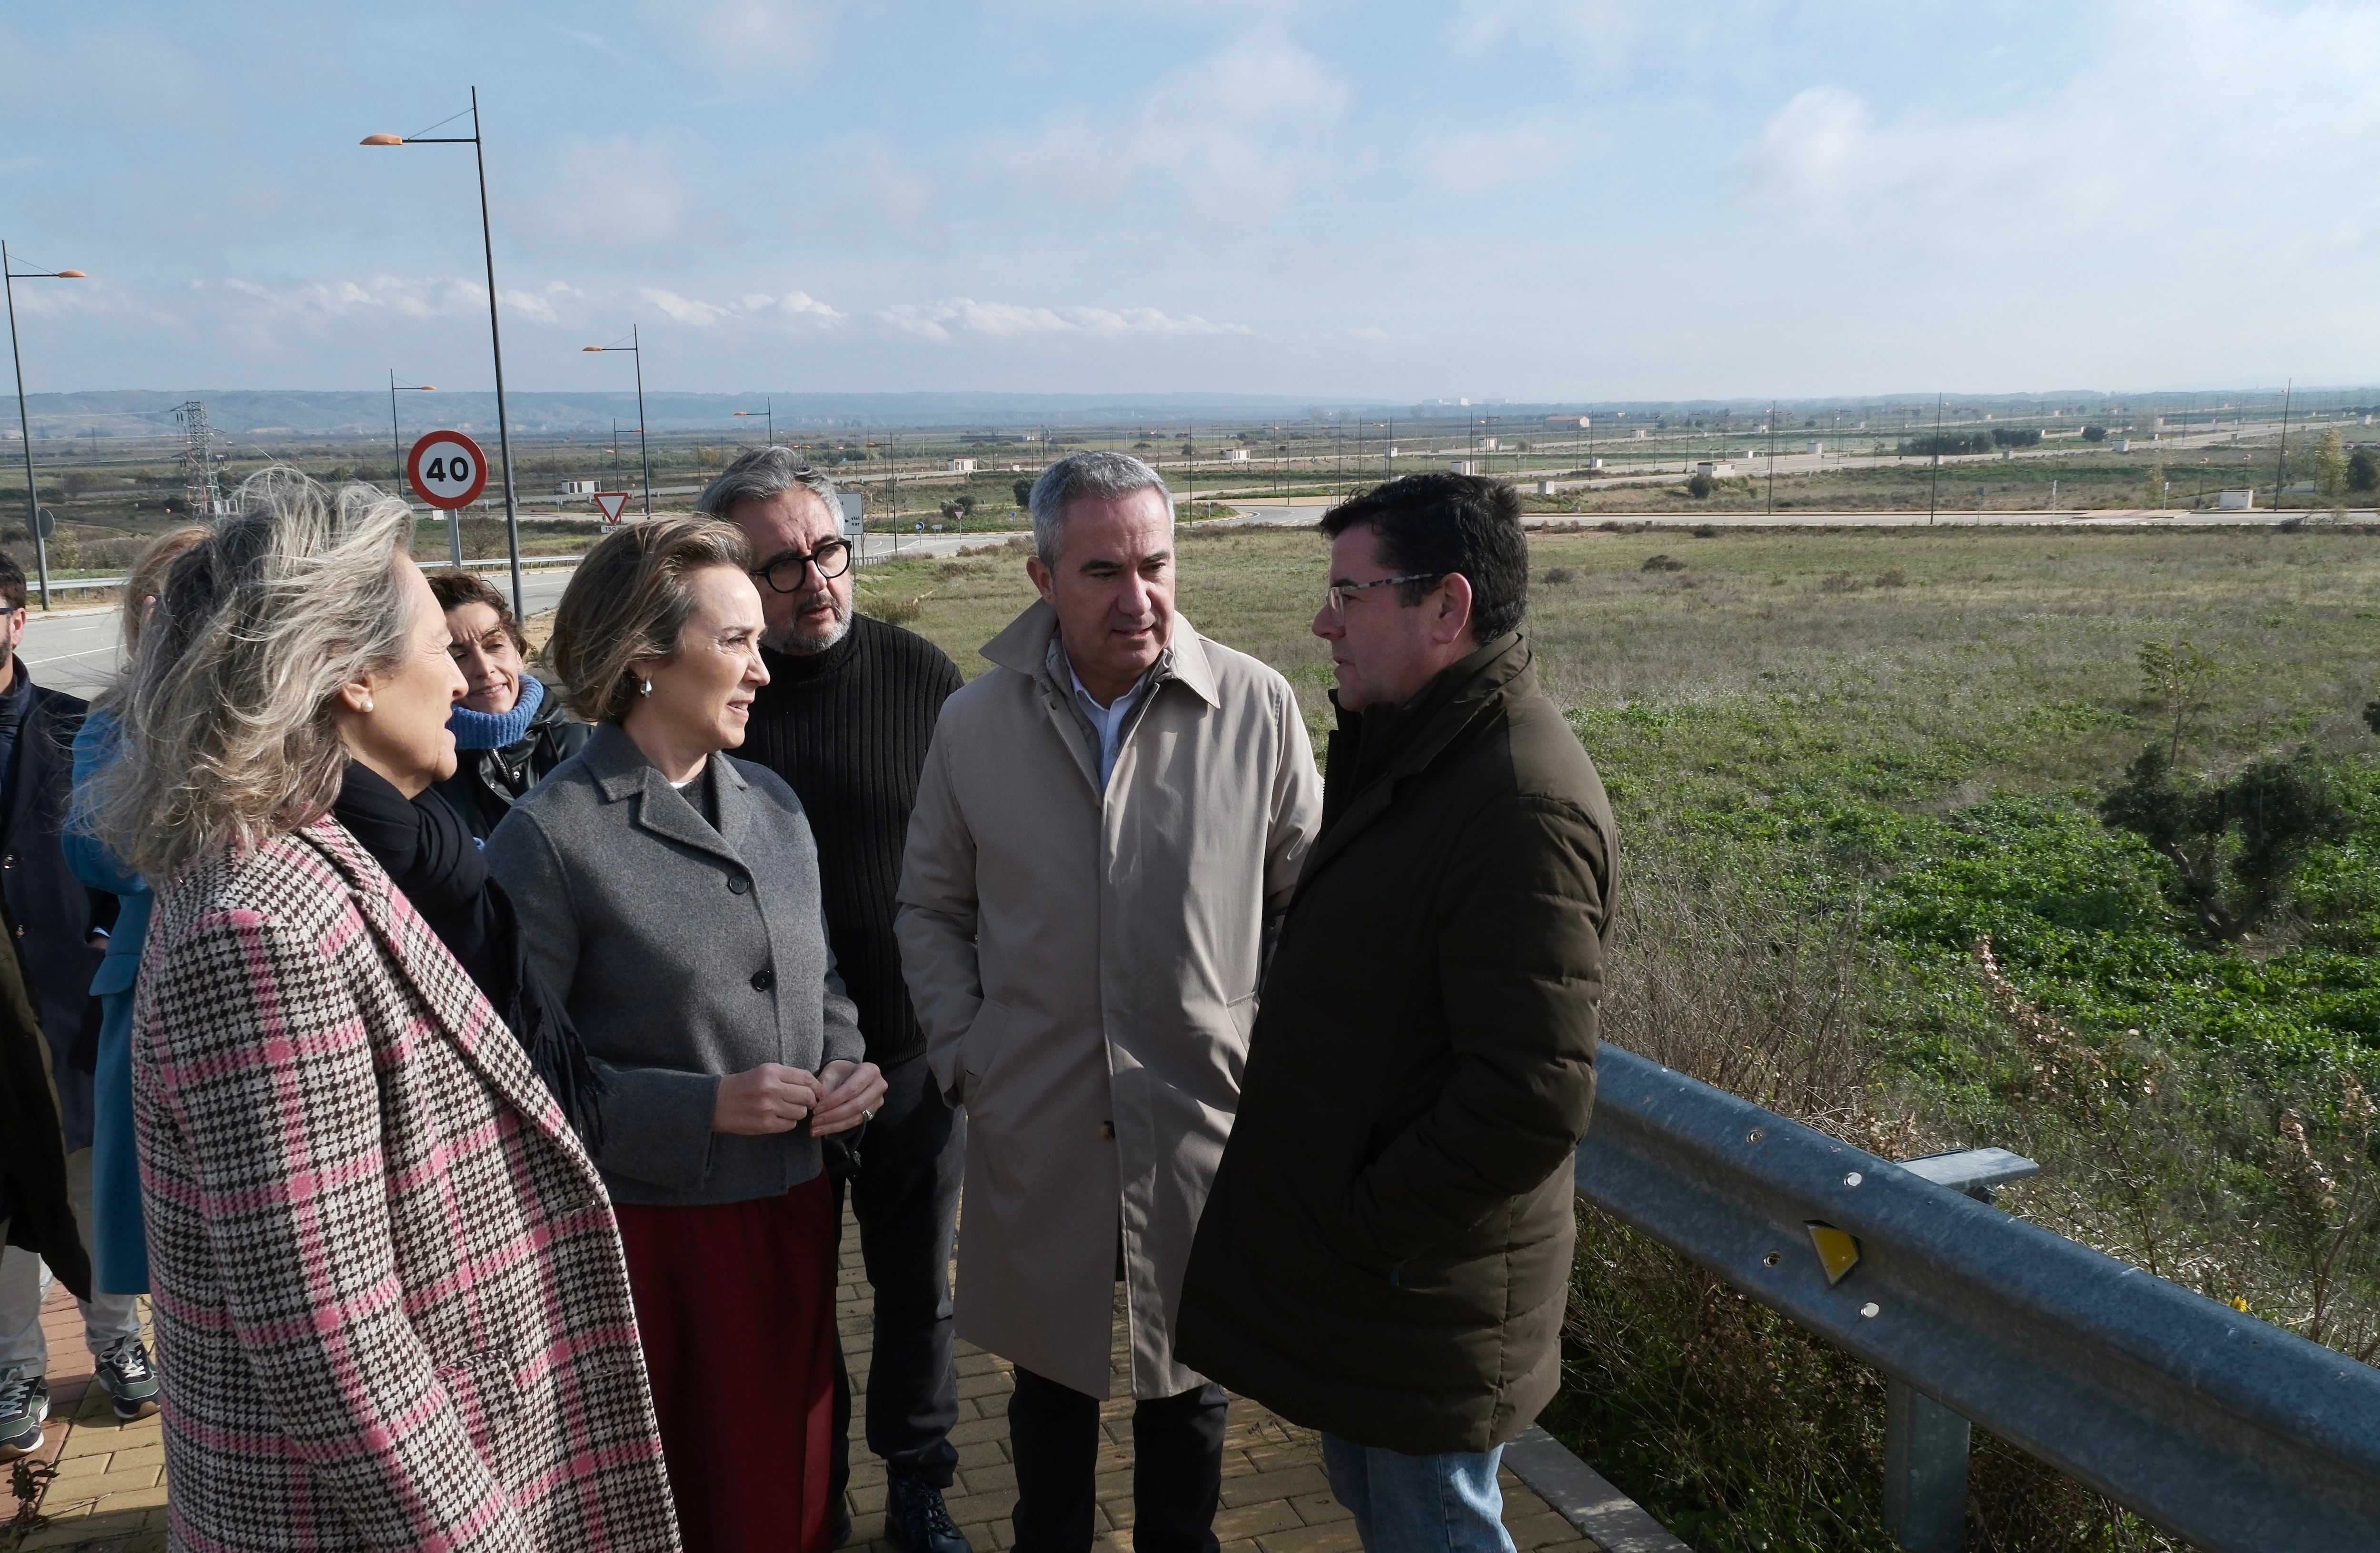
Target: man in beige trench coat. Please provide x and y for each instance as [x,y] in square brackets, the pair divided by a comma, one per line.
[1106,833]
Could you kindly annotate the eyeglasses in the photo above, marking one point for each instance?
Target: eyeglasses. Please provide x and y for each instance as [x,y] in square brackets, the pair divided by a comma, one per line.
[788,572]
[1334,598]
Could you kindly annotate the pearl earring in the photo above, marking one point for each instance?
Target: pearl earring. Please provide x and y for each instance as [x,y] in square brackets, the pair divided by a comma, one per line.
[367,706]
[647,687]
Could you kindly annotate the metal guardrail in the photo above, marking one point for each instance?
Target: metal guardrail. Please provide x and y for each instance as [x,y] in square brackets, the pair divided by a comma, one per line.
[2225,1429]
[60,584]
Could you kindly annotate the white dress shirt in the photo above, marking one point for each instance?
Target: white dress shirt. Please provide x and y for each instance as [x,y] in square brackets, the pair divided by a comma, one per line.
[1108,720]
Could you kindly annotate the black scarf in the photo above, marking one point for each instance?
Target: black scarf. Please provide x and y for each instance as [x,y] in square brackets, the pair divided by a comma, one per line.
[432,859]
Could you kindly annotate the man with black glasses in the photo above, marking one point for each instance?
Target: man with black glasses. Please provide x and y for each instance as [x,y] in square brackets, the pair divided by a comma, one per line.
[1386,1249]
[846,717]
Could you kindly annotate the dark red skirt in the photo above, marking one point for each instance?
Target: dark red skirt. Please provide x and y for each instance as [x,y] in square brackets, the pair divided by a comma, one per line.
[735,1305]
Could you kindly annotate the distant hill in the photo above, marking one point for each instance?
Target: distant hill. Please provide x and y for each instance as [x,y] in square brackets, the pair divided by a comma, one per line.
[250,412]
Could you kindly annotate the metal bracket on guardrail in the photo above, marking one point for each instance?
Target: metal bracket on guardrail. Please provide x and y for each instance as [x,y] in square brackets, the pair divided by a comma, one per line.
[2238,1435]
[1925,1444]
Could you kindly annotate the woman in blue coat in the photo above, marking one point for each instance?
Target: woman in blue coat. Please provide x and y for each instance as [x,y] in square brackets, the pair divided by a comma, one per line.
[119,1243]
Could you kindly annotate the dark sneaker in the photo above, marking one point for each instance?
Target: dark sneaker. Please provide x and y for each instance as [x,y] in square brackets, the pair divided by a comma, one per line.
[129,1380]
[916,1520]
[24,1404]
[838,1530]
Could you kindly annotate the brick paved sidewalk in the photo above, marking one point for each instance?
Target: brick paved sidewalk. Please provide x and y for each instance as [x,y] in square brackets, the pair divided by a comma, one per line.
[1275,1499]
[109,1494]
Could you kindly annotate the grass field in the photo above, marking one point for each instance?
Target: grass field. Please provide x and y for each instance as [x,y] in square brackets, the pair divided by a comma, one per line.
[1838,761]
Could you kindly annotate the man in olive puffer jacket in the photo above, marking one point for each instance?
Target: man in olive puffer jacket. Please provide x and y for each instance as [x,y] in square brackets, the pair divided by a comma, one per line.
[1387,1247]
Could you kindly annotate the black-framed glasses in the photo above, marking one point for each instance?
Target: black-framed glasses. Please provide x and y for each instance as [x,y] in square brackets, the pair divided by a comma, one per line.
[1334,598]
[788,572]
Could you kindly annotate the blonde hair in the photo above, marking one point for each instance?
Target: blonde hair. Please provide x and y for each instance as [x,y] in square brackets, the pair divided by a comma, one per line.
[227,736]
[629,600]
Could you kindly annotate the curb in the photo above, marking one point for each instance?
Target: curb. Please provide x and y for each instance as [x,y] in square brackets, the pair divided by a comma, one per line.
[1609,1518]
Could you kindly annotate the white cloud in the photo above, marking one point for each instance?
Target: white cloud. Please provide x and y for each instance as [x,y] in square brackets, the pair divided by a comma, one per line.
[1527,151]
[378,295]
[870,181]
[2200,95]
[742,43]
[963,318]
[1816,147]
[792,308]
[554,302]
[617,190]
[1605,30]
[1241,129]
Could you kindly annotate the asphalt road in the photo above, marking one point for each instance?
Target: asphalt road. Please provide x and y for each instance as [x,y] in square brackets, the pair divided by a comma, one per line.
[1305,515]
[74,649]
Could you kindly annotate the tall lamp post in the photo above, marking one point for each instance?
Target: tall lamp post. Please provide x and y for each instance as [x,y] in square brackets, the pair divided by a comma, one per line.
[396,451]
[24,422]
[644,454]
[771,412]
[495,336]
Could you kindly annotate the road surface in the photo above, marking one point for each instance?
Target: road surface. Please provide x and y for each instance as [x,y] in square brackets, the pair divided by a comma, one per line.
[1305,515]
[73,648]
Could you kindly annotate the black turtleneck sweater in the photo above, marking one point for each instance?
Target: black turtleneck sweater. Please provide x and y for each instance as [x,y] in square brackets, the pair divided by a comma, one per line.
[848,728]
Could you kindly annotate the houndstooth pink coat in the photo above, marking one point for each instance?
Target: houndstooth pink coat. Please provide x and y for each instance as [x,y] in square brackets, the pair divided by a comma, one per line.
[391,1308]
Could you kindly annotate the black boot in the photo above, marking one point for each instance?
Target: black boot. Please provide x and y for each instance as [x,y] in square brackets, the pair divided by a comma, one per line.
[916,1520]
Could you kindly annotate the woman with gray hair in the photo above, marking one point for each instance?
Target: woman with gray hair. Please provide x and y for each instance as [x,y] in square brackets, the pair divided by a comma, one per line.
[671,895]
[390,1298]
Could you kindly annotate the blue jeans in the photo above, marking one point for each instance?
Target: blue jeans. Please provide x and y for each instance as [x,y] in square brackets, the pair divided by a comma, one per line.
[1419,1504]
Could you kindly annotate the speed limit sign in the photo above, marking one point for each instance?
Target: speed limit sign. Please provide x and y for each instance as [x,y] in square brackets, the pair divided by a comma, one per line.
[447,469]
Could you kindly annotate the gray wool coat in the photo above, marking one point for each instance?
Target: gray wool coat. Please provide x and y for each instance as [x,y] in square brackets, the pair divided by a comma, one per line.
[684,954]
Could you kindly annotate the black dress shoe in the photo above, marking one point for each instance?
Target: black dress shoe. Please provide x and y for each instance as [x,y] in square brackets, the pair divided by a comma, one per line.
[838,1530]
[916,1520]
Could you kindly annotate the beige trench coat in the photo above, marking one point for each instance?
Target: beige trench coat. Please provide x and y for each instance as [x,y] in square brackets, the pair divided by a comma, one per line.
[1085,966]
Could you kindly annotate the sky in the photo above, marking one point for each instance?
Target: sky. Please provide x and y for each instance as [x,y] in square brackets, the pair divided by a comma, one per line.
[1534,200]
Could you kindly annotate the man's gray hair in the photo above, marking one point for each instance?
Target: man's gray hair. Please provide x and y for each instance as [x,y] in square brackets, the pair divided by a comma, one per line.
[1103,475]
[762,472]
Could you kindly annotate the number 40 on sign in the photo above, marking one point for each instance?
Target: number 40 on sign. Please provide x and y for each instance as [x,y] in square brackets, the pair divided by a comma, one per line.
[446,470]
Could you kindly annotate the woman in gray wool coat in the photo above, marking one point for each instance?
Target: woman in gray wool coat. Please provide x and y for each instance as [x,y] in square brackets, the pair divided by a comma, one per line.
[671,894]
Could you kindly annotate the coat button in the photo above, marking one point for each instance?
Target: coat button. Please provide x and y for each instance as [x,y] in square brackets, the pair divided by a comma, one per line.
[1106,1130]
[737,885]
[763,979]
[9,861]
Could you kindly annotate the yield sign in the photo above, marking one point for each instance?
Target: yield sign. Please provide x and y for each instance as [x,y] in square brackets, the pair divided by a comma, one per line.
[612,501]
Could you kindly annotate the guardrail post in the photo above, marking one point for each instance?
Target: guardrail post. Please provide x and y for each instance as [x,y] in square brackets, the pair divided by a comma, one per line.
[1924,1471]
[1926,1443]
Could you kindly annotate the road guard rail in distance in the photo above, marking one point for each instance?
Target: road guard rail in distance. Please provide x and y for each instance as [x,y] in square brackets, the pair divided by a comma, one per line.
[2236,1434]
[528,563]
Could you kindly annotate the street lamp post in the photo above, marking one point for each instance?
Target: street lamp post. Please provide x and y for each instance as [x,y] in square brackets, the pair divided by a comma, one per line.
[644,454]
[396,451]
[771,412]
[495,334]
[24,422]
